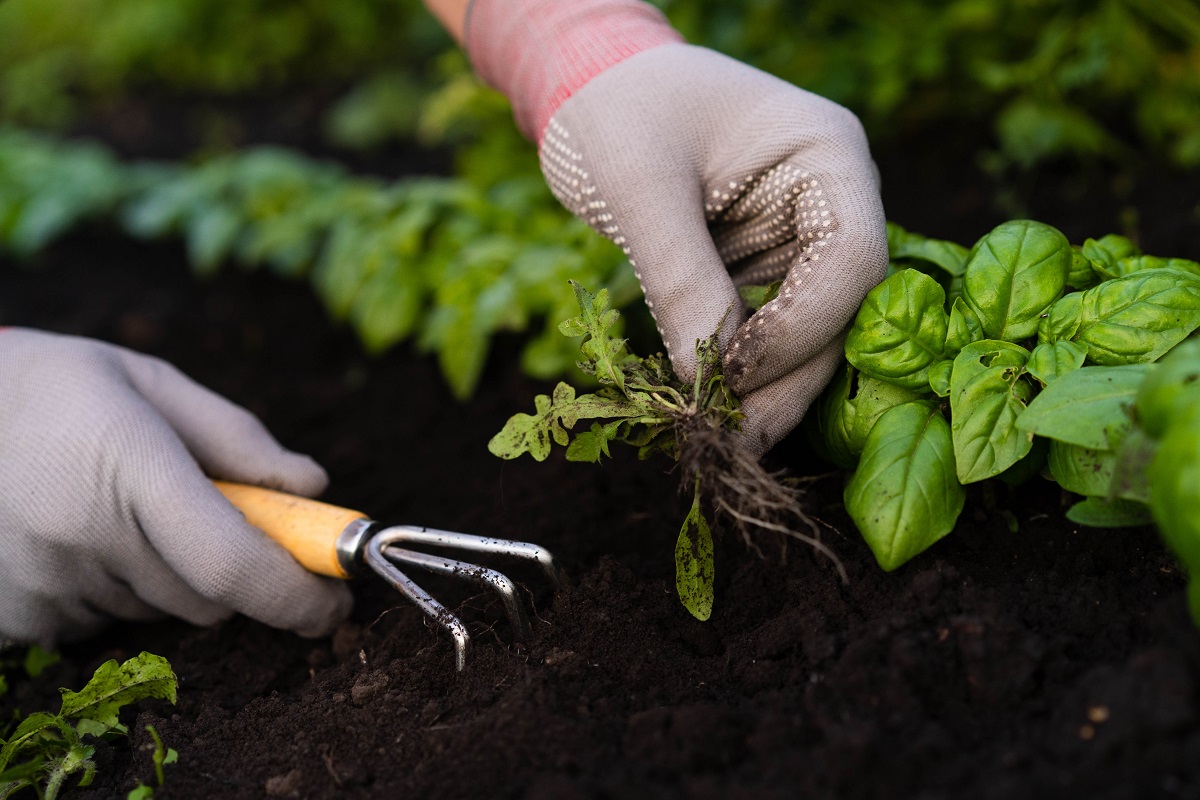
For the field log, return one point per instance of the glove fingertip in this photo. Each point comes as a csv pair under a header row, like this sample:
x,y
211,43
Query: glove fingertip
x,y
335,606
300,474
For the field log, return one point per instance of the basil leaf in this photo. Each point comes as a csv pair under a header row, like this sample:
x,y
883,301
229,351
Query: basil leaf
x,y
987,396
873,399
1029,465
1087,407
1128,266
848,410
1054,359
899,330
1137,318
904,497
1174,477
963,328
1106,251
1134,455
939,377
1082,274
1096,512
1172,386
1081,470
904,246
1013,275
829,421
1062,321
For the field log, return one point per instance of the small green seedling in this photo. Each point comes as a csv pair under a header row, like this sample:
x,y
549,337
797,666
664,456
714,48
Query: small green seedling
x,y
45,749
161,756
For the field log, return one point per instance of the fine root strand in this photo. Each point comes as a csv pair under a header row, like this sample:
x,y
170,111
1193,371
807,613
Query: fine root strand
x,y
746,496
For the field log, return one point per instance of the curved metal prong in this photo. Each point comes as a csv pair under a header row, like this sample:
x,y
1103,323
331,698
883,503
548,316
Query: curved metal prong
x,y
412,534
374,557
488,578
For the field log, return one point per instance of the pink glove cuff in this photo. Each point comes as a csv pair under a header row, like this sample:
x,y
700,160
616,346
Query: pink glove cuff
x,y
540,52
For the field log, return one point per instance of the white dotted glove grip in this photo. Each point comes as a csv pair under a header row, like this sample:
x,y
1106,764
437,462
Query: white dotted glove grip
x,y
711,174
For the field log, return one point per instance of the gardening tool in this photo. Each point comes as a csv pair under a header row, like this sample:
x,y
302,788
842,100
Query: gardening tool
x,y
343,543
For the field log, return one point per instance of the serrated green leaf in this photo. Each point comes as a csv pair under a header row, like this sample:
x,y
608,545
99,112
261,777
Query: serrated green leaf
x,y
904,496
1088,407
592,444
1096,512
1138,318
594,321
694,570
604,406
523,433
27,733
555,415
115,686
1013,275
987,395
900,330
1052,360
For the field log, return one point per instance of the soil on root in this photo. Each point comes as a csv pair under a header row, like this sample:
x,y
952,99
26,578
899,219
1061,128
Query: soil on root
x,y
1047,661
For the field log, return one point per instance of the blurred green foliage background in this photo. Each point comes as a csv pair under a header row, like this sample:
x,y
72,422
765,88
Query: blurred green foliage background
x,y
1111,80
1048,76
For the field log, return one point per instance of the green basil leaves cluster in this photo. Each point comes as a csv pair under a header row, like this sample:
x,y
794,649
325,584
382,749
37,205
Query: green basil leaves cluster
x,y
963,361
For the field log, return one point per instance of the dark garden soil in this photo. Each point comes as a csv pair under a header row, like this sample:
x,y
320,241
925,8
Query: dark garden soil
x,y
1050,661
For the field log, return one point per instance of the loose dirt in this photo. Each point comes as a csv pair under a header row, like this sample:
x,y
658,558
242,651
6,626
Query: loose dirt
x,y
1046,661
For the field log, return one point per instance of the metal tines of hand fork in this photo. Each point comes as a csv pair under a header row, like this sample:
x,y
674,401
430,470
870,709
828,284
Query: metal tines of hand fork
x,y
387,549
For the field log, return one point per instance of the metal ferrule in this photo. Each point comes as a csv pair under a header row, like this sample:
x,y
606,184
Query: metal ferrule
x,y
350,545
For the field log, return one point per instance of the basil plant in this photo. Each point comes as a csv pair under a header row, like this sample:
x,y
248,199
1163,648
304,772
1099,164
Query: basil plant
x,y
1021,356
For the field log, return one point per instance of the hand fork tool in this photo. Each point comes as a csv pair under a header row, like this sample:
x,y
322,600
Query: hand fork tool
x,y
343,543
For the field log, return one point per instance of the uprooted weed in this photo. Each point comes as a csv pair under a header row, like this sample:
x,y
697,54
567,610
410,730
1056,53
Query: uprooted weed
x,y
642,403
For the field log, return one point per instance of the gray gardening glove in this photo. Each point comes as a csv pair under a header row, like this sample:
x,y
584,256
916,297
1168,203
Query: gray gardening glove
x,y
105,508
700,168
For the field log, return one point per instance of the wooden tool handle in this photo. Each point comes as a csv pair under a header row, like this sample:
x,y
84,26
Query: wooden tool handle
x,y
307,529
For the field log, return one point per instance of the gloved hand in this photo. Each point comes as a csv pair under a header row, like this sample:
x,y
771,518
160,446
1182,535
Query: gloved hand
x,y
105,510
699,166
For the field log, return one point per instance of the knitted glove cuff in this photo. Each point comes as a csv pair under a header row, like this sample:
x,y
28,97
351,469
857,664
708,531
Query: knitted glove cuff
x,y
540,52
